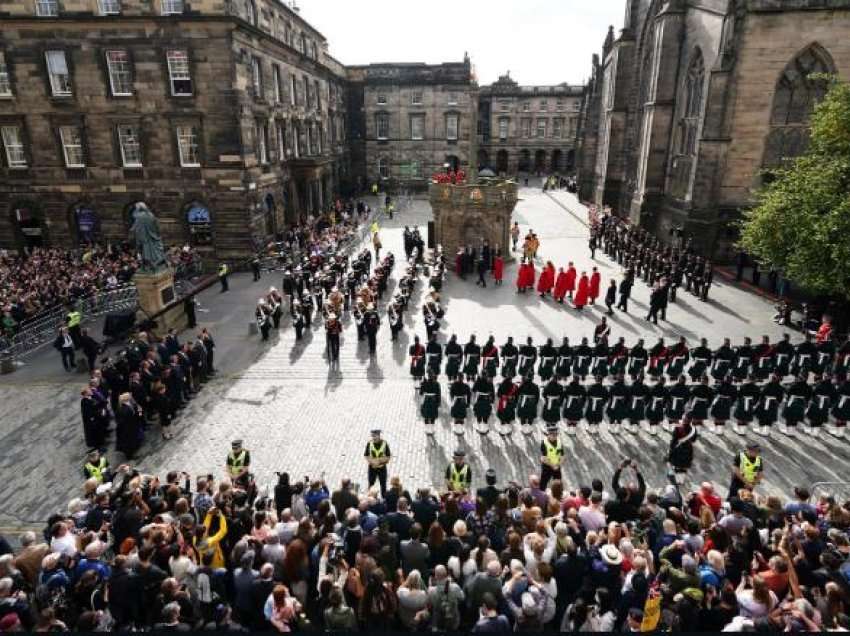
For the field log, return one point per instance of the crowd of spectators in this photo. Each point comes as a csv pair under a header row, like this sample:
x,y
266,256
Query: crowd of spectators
x,y
136,552
48,277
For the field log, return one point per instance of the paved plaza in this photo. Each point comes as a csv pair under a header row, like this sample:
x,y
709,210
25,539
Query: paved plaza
x,y
296,415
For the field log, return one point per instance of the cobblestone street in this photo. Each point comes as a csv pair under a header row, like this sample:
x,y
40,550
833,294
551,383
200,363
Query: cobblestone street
x,y
297,416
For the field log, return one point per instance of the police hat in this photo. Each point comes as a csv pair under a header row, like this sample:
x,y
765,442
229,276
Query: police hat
x,y
459,453
237,443
551,430
753,445
376,431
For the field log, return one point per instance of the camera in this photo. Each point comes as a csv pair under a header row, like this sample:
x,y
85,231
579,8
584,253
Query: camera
x,y
336,552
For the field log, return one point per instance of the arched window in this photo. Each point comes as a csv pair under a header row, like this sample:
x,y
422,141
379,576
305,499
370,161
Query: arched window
x,y
251,10
797,92
383,168
687,127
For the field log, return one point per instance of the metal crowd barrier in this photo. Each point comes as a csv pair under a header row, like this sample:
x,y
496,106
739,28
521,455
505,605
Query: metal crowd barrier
x,y
43,328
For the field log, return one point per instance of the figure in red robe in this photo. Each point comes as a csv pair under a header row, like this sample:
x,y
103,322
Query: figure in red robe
x,y
525,277
547,279
459,263
571,279
530,275
582,293
595,280
561,286
498,269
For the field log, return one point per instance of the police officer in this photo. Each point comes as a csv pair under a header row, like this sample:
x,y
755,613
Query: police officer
x,y
377,455
458,473
73,321
97,467
238,466
223,272
551,456
747,470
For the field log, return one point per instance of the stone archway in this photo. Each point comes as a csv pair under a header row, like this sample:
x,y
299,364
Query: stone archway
x,y
524,164
557,160
540,161
483,159
502,162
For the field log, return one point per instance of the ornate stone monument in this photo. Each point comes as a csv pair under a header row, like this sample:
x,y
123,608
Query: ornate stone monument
x,y
475,210
154,280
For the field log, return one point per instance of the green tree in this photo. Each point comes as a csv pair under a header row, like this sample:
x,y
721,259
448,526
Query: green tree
x,y
801,223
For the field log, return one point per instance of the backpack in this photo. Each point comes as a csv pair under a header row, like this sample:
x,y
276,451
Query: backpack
x,y
446,611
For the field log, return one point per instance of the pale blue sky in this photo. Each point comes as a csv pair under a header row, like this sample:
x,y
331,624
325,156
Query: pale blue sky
x,y
539,41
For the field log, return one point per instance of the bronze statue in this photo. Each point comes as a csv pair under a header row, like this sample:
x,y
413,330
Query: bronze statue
x,y
145,234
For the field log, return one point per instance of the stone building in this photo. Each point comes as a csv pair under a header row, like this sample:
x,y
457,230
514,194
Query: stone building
x,y
528,128
695,101
408,120
227,118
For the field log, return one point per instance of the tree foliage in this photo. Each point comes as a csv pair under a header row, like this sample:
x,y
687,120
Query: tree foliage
x,y
801,223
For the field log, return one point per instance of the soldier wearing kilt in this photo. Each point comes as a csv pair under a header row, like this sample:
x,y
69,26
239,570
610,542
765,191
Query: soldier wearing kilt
x,y
803,356
701,357
842,360
721,407
433,355
597,397
618,404
600,358
823,397
483,396
510,355
618,358
638,394
582,356
677,359
767,409
657,359
764,359
417,359
454,357
784,355
824,356
430,408
724,357
553,394
460,397
490,358
638,358
472,358
743,360
679,395
564,360
506,409
701,398
546,369
575,396
527,358
799,394
659,396
748,396
841,410
529,396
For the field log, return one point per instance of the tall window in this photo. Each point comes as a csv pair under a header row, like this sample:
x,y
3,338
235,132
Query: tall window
x,y
417,127
559,104
526,127
296,140
688,124
317,89
281,140
503,128
278,84
541,128
57,69
252,12
109,7
416,97
557,126
120,77
257,77
526,106
171,7
5,83
796,94
46,8
504,105
307,96
187,146
544,105
452,101
293,92
13,144
178,73
260,135
451,126
72,146
383,168
320,134
131,149
382,125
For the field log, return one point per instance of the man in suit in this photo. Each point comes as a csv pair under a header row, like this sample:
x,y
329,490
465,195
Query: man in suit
x,y
64,344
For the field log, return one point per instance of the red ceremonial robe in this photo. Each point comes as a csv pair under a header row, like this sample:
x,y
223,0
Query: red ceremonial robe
x,y
581,295
530,276
546,281
458,264
521,276
561,285
595,279
571,279
498,268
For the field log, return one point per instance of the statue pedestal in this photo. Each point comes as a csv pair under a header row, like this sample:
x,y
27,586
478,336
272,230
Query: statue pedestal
x,y
156,291
469,213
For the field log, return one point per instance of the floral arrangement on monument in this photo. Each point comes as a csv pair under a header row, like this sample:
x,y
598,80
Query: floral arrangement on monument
x,y
453,177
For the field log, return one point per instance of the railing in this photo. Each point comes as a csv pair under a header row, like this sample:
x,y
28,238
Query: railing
x,y
43,328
